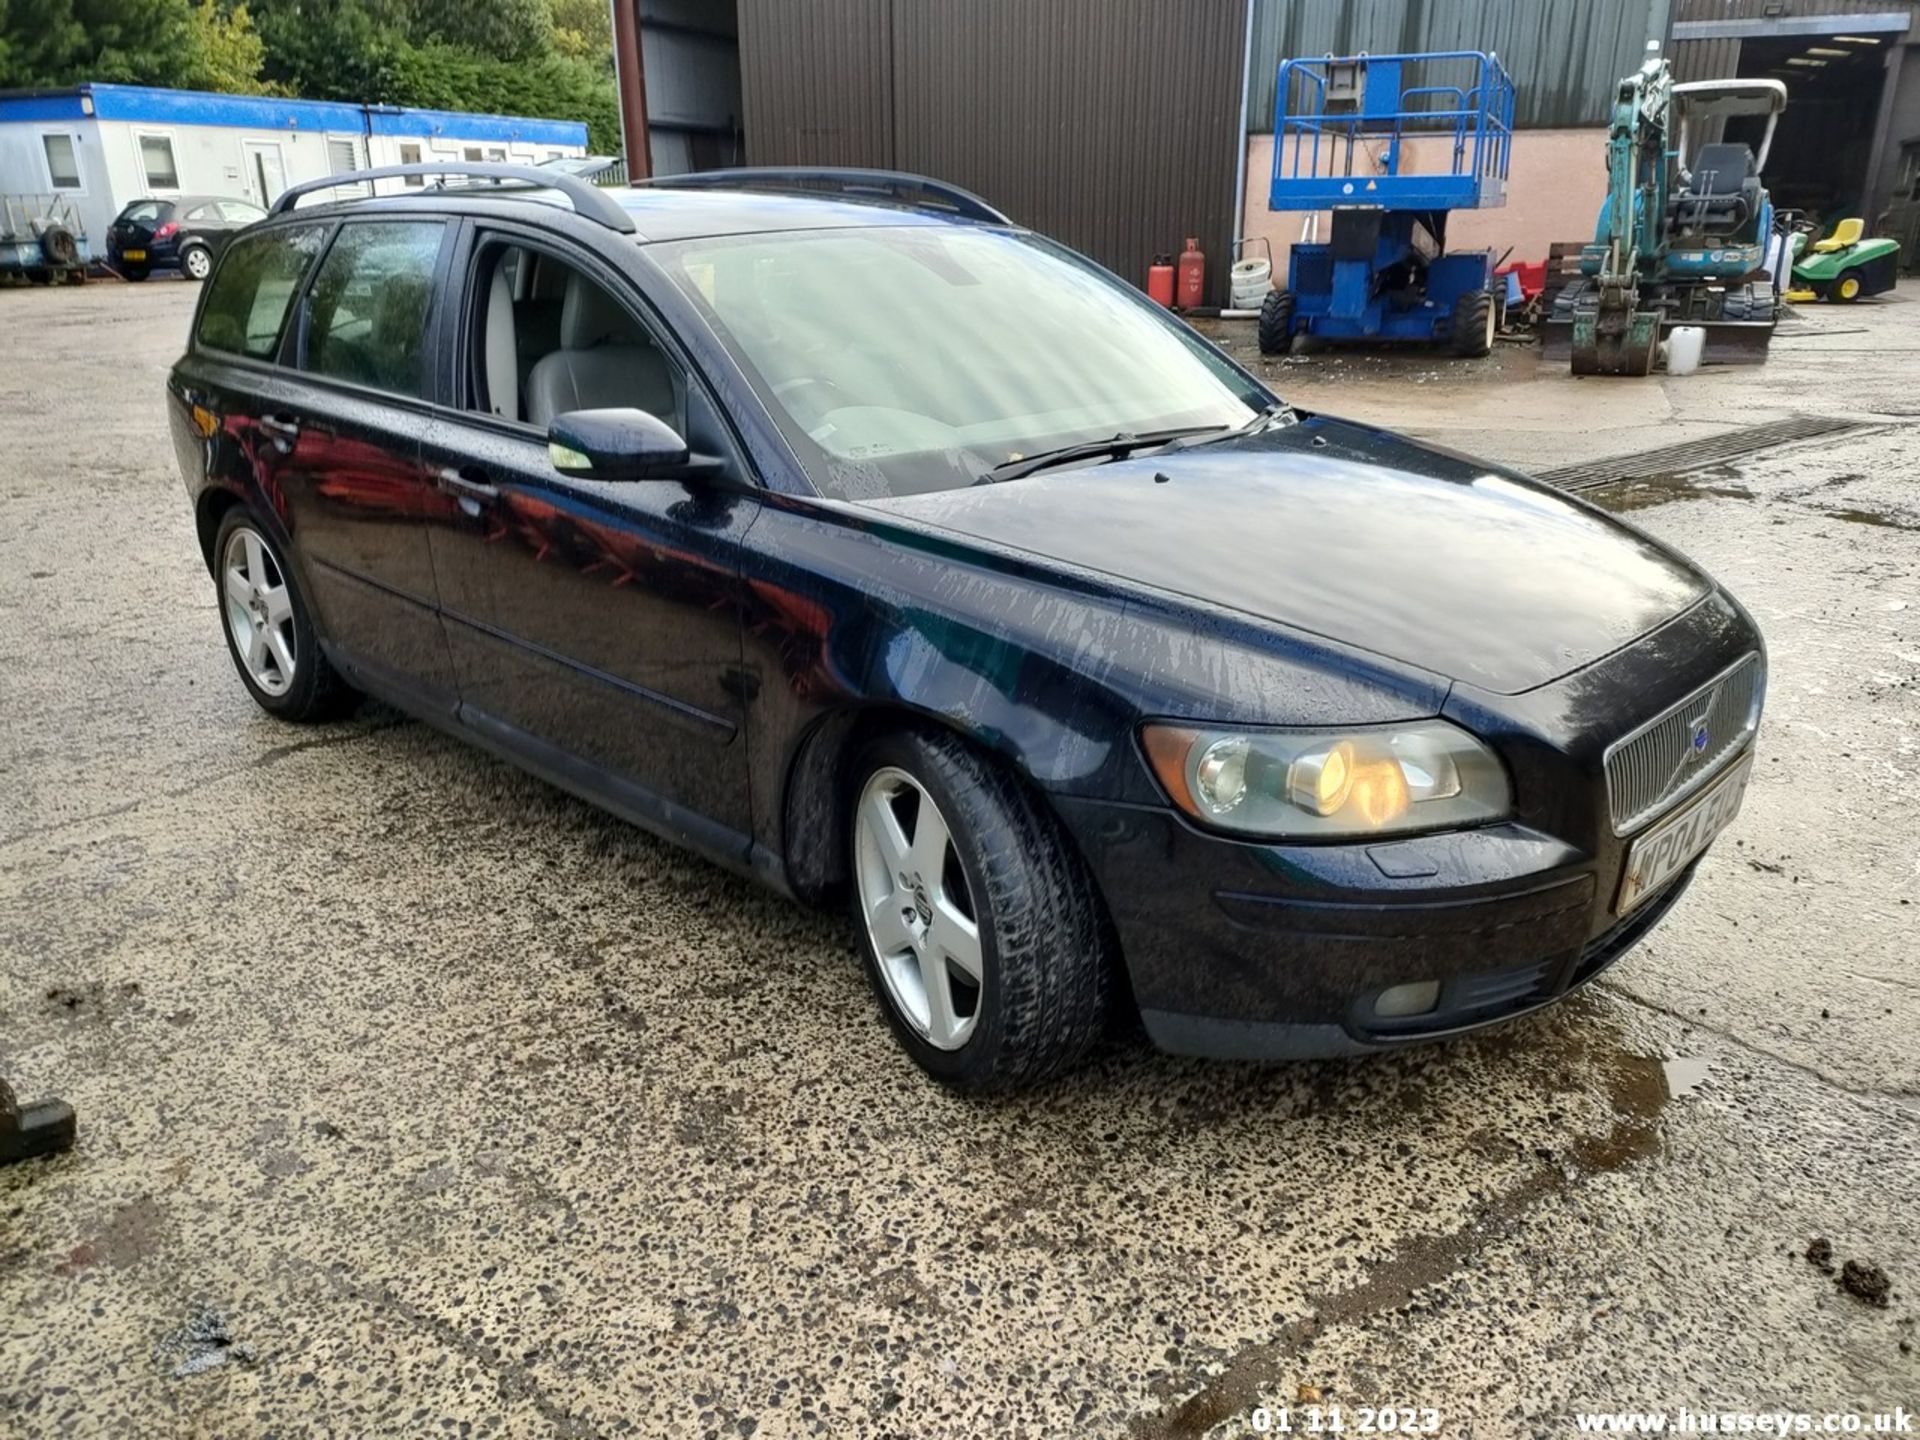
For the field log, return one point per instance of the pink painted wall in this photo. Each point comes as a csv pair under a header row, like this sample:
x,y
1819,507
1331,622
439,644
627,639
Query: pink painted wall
x,y
1556,182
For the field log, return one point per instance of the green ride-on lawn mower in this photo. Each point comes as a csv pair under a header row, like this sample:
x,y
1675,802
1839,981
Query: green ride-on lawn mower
x,y
1844,266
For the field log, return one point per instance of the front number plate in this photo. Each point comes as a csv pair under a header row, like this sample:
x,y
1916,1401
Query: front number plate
x,y
1667,848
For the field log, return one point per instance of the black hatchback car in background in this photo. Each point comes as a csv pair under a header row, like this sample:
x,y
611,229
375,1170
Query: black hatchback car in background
x,y
187,232
836,527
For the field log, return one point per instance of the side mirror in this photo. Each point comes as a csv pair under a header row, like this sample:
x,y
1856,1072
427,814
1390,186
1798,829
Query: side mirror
x,y
616,445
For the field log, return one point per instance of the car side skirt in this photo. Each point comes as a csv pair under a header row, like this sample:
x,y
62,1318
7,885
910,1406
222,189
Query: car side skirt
x,y
619,796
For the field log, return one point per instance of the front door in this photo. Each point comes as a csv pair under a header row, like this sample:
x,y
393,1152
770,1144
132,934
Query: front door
x,y
266,171
592,623
342,426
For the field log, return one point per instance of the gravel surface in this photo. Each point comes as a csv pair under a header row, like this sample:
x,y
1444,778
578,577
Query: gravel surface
x,y
418,1098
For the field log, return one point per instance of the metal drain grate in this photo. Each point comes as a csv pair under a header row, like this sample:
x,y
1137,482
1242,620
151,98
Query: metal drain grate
x,y
1696,454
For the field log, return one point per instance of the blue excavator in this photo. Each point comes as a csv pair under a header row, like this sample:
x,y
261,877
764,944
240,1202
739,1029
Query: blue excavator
x,y
1683,236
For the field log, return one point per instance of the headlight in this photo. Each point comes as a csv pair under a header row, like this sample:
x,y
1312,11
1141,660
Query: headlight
x,y
1330,784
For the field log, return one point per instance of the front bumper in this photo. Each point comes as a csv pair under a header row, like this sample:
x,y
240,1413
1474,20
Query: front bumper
x,y
1256,951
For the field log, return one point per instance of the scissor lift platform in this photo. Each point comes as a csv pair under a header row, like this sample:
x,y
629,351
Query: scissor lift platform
x,y
1390,144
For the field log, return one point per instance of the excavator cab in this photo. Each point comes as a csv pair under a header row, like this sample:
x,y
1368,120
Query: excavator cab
x,y
1718,216
1682,236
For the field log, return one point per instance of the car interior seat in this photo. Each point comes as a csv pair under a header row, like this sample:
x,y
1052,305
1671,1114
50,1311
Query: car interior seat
x,y
539,291
501,351
605,360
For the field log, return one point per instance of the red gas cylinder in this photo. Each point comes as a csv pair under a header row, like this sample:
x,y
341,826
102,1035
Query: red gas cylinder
x,y
1192,289
1160,280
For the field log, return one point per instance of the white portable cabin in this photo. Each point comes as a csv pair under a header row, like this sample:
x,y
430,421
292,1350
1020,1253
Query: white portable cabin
x,y
104,146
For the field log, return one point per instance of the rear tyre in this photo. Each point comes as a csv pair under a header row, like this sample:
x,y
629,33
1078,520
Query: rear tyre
x,y
1471,333
135,272
269,628
982,930
1276,322
1845,289
196,262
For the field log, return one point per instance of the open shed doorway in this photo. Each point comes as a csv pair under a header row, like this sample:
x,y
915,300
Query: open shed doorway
x,y
1824,145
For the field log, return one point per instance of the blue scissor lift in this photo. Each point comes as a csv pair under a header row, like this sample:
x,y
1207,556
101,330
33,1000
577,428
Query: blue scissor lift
x,y
1390,144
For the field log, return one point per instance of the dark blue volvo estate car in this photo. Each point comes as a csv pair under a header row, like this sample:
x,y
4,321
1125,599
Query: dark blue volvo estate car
x,y
832,525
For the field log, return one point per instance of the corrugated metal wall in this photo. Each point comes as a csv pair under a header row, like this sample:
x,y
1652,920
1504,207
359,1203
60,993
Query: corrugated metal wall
x,y
1696,10
1112,125
1566,56
816,82
1706,59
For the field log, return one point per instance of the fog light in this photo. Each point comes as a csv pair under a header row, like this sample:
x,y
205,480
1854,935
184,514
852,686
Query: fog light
x,y
1400,1001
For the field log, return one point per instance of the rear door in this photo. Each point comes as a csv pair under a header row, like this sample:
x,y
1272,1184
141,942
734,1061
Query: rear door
x,y
341,449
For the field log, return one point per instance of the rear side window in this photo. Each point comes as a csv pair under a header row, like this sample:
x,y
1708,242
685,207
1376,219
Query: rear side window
x,y
255,285
367,313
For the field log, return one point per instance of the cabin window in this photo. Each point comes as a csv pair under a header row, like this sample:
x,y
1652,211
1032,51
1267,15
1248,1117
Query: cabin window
x,y
156,158
410,155
63,162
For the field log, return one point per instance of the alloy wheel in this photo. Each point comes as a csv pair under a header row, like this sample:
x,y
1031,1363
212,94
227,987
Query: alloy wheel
x,y
197,263
259,610
918,908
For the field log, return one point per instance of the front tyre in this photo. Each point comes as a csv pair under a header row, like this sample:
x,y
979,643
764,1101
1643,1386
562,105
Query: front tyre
x,y
269,628
980,925
1474,319
1276,322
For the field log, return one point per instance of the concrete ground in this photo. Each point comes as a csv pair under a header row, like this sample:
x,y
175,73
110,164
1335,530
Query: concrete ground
x,y
419,1099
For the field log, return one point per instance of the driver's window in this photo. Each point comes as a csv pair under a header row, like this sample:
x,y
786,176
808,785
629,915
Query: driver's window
x,y
550,338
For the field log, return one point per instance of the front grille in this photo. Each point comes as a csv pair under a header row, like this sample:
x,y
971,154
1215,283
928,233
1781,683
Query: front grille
x,y
1679,750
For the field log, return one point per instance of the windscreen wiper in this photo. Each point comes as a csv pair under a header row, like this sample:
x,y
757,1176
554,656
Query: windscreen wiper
x,y
1279,414
1114,447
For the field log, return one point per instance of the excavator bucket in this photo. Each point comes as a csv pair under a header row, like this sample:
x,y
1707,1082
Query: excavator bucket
x,y
1615,343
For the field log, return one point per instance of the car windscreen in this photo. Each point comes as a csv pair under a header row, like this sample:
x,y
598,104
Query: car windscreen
x,y
901,360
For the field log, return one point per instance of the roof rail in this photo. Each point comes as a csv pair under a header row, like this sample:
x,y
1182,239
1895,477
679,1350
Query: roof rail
x,y
890,186
588,200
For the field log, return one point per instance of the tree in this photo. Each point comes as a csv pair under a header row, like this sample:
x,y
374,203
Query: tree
x,y
330,49
583,30
503,29
62,42
228,51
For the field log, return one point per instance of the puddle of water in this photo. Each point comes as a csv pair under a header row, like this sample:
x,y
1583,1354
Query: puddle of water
x,y
1871,517
1684,1076
1646,492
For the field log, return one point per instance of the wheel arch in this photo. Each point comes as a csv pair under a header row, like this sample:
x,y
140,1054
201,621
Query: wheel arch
x,y
814,810
815,798
208,511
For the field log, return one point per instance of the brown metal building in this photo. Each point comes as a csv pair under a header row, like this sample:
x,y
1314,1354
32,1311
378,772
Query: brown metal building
x,y
1124,126
1112,125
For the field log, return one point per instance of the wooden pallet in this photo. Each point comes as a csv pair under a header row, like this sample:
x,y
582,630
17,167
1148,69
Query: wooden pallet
x,y
1563,268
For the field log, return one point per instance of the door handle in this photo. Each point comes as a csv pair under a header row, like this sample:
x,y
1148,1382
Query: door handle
x,y
280,429
460,483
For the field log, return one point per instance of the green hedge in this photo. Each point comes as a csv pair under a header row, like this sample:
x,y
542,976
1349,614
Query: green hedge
x,y
440,77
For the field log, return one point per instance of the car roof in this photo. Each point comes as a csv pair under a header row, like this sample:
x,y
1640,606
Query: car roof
x,y
663,213
187,202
